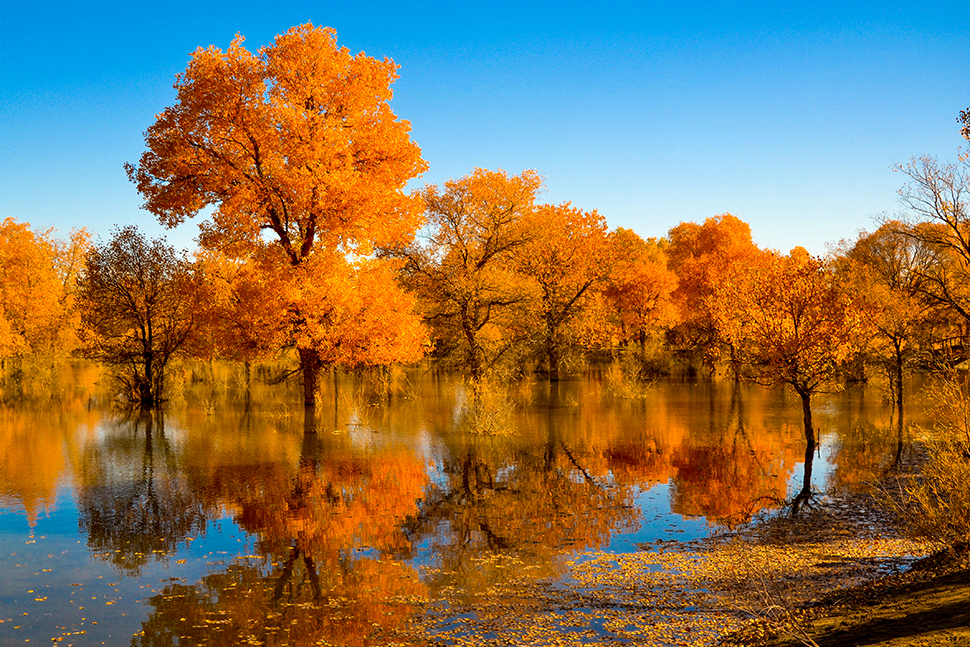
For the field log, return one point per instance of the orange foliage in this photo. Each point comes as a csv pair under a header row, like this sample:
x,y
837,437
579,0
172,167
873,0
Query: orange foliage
x,y
464,273
641,285
791,320
347,313
298,151
566,256
700,255
297,141
883,268
38,278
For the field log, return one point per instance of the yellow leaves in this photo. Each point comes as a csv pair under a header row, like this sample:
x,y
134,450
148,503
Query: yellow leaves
x,y
791,318
38,275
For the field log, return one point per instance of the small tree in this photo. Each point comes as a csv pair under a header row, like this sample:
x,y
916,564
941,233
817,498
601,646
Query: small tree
x,y
640,286
792,321
464,270
136,303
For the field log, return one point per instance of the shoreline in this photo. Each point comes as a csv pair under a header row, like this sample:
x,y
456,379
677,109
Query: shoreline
x,y
818,574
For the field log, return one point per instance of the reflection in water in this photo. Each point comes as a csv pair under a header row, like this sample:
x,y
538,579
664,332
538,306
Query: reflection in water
x,y
500,501
328,532
133,501
361,516
32,459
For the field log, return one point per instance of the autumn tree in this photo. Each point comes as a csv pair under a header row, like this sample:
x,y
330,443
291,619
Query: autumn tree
x,y
463,267
792,321
38,281
138,310
883,267
640,286
38,277
939,222
699,255
240,317
297,151
566,258
352,313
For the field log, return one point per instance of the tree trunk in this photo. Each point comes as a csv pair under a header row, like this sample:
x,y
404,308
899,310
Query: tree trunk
x,y
807,414
310,367
146,395
553,354
806,492
473,360
899,379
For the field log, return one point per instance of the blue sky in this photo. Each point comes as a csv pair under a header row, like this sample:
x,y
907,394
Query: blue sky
x,y
788,116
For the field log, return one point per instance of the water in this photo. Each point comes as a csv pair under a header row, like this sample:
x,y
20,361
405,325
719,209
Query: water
x,y
222,523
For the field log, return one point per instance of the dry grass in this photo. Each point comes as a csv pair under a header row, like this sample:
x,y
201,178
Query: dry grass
x,y
935,502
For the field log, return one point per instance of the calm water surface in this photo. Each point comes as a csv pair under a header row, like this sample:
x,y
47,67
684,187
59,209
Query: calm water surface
x,y
221,519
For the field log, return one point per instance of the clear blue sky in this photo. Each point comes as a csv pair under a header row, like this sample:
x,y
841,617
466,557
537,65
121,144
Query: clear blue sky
x,y
789,117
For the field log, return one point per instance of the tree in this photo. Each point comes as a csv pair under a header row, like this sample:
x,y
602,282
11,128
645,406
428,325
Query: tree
x,y
939,222
640,286
38,275
299,153
350,313
699,255
884,269
138,310
792,322
566,257
464,272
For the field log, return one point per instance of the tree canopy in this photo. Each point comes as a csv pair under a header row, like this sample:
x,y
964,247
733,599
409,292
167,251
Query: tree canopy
x,y
297,151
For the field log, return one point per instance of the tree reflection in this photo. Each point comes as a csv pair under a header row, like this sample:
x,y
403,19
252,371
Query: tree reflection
x,y
328,533
244,604
31,461
133,501
507,504
731,470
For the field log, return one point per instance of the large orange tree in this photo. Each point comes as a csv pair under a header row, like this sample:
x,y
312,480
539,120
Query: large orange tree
x,y
38,287
699,255
296,152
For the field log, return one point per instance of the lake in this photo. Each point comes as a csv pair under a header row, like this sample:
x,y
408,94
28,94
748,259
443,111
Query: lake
x,y
236,518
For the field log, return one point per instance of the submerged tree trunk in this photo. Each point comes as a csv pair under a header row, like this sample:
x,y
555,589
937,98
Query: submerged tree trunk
x,y
899,378
310,367
806,492
473,360
810,444
146,395
552,353
807,415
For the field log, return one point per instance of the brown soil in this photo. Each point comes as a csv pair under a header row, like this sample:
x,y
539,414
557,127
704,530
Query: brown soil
x,y
928,606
